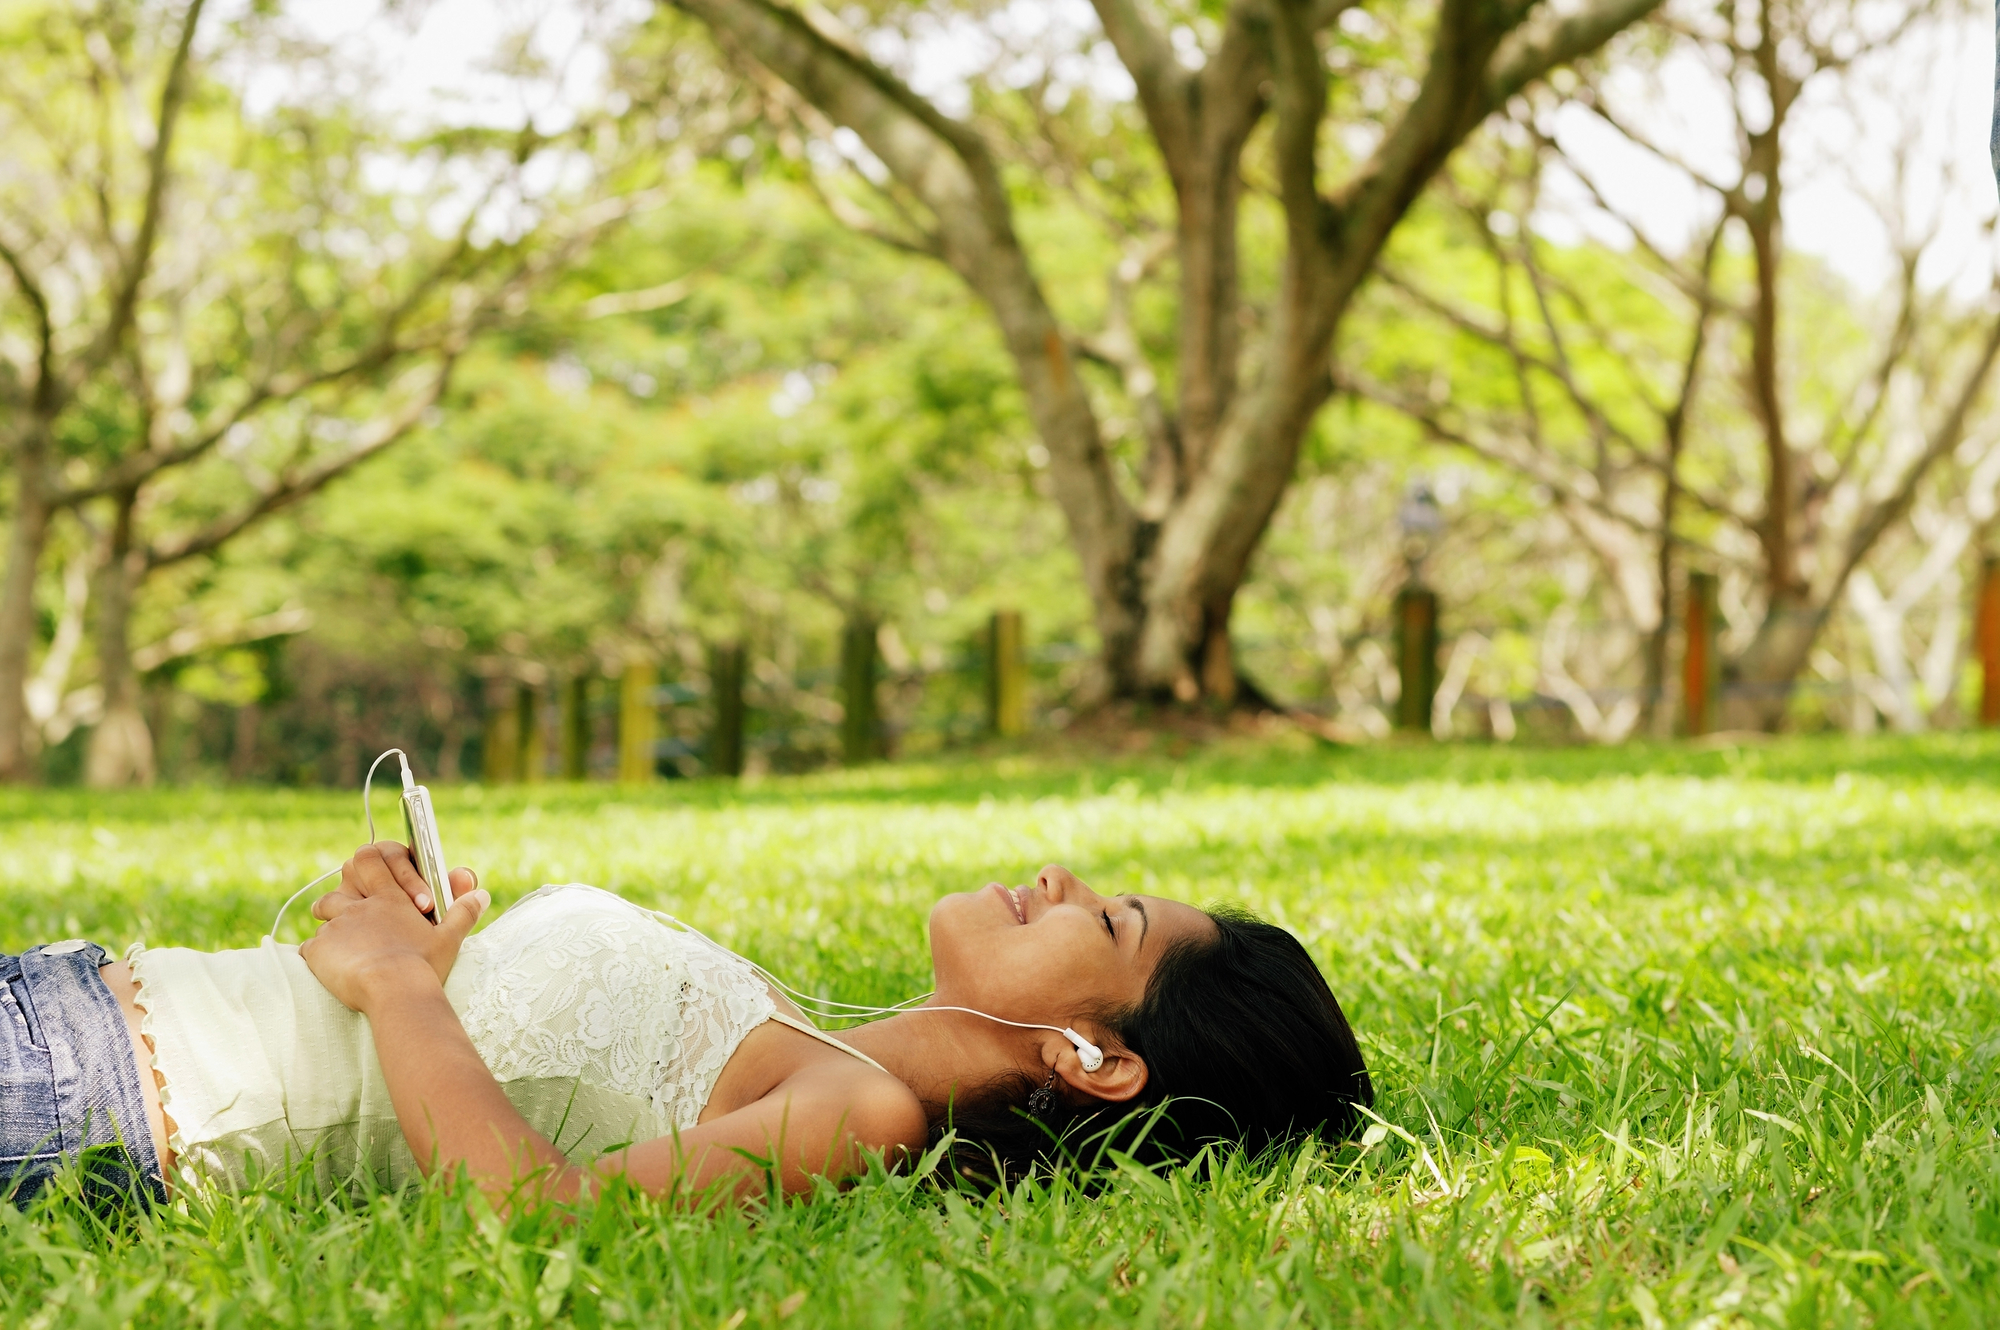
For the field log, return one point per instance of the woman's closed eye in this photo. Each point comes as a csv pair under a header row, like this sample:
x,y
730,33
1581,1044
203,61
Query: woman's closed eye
x,y
1109,927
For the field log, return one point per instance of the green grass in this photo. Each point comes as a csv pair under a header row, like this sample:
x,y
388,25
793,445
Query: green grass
x,y
1662,1037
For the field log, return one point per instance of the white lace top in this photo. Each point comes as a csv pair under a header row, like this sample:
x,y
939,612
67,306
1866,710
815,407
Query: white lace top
x,y
604,1025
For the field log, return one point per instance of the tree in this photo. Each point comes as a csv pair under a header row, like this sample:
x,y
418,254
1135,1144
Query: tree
x,y
730,419
216,310
1225,398
1713,398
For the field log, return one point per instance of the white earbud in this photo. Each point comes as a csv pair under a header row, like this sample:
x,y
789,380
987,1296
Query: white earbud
x,y
1089,1054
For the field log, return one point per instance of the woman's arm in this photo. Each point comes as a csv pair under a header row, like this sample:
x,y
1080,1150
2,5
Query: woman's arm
x,y
378,955
820,1122
451,1109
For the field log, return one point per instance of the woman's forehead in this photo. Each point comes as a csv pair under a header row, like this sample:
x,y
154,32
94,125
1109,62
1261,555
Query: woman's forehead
x,y
1170,921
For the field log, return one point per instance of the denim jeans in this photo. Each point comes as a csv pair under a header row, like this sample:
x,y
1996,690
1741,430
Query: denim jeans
x,y
69,1084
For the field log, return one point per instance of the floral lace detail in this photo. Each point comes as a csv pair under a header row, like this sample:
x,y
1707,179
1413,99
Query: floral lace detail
x,y
573,983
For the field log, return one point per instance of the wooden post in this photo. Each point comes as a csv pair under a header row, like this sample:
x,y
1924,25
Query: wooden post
x,y
1701,669
576,727
1416,657
500,750
638,723
860,726
1986,635
1006,675
725,686
534,745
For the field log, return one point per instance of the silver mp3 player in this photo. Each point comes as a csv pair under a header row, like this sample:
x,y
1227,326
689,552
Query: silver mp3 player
x,y
420,821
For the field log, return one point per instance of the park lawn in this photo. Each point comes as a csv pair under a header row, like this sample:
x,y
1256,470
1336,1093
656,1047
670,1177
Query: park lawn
x,y
1661,1037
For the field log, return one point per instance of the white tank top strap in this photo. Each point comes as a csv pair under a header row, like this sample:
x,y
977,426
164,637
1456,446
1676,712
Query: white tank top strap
x,y
827,1039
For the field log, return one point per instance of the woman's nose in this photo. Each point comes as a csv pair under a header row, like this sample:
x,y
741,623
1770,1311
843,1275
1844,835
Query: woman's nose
x,y
1059,883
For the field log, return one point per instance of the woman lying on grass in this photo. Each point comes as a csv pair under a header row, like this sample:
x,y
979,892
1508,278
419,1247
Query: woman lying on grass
x,y
582,1037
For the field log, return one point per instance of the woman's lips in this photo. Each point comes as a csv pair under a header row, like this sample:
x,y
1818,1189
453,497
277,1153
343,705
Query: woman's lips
x,y
1013,900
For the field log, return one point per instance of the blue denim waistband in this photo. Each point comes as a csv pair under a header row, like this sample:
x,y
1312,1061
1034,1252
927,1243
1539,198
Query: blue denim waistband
x,y
69,1084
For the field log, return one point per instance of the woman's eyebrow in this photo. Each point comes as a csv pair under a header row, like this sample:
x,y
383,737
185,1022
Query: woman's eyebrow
x,y
1145,920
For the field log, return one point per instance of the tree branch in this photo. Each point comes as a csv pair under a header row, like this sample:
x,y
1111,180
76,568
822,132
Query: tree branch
x,y
1479,58
1653,148
1299,102
136,468
298,482
1945,438
185,642
44,404
783,102
1504,341
949,169
1876,385
643,301
44,691
1225,103
138,261
1163,85
1544,467
1118,347
1532,51
388,347
1664,263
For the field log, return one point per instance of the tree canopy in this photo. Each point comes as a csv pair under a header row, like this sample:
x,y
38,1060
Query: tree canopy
x,y
326,426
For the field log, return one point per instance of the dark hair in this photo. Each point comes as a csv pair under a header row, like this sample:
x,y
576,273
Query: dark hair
x,y
1243,1042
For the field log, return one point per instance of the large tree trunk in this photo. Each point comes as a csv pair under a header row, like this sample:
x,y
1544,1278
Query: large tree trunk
x,y
1758,683
121,747
1163,569
27,539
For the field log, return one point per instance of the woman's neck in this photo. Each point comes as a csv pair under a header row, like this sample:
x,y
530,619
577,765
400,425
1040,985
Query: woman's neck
x,y
939,1054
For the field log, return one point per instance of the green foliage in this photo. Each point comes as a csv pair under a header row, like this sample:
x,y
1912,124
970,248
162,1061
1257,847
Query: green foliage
x,y
1659,1034
805,425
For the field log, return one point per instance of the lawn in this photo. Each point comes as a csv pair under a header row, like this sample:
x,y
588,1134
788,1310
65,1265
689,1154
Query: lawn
x,y
1661,1037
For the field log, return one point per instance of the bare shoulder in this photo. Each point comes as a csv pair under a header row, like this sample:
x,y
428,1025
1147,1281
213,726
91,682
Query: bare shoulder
x,y
884,1112
831,1094
871,1107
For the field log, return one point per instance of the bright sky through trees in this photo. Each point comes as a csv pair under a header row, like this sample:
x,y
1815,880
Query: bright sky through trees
x,y
1928,105
1918,115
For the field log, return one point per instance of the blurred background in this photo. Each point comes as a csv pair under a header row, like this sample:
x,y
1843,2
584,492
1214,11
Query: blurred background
x,y
617,391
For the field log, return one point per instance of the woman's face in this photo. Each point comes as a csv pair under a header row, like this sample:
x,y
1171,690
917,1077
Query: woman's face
x,y
1053,951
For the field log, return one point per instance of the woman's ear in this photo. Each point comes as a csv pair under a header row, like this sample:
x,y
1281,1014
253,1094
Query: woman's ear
x,y
1120,1079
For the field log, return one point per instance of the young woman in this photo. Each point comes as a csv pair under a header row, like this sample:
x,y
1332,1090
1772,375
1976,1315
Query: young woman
x,y
581,1037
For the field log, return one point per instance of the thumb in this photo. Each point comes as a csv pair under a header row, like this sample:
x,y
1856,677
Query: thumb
x,y
463,915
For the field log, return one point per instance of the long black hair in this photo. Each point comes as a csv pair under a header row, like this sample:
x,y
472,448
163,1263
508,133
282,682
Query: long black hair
x,y
1243,1043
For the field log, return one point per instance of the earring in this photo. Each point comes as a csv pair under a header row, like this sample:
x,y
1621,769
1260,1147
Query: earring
x,y
1043,1099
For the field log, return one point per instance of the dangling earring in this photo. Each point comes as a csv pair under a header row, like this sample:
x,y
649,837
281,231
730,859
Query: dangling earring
x,y
1043,1099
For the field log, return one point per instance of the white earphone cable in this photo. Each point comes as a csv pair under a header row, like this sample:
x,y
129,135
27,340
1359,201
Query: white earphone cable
x,y
273,934
853,1010
1091,1056
367,811
368,782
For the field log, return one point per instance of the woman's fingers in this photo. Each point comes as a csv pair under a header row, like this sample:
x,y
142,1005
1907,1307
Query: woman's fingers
x,y
403,872
330,905
460,918
376,870
368,873
385,868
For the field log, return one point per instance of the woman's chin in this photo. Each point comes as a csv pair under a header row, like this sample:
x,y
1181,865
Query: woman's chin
x,y
957,924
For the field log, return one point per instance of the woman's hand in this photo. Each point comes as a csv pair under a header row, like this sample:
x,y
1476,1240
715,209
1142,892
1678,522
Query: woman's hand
x,y
370,862
374,939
